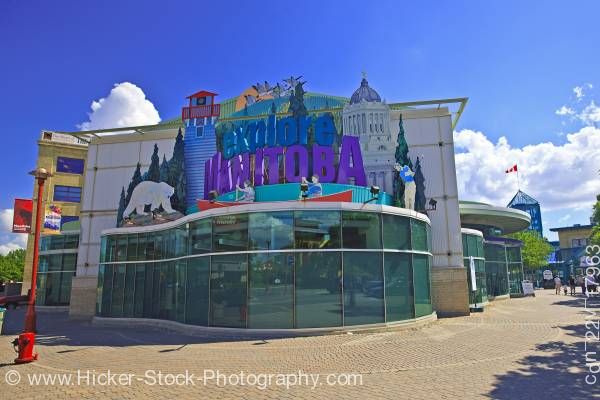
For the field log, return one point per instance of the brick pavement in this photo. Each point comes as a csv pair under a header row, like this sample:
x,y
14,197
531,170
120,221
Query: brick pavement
x,y
517,349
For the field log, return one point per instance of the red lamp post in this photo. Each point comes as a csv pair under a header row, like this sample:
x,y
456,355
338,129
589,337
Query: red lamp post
x,y
26,340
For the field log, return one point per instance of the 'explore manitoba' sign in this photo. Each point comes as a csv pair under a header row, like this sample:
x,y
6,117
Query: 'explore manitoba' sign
x,y
284,151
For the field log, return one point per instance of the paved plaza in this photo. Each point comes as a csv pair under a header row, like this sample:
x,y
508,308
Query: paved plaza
x,y
524,348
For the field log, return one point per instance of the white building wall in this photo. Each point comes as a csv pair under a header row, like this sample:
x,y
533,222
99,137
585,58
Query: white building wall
x,y
429,136
110,166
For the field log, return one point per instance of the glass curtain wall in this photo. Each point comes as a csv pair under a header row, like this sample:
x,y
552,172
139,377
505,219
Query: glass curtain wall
x,y
57,264
496,270
271,270
473,247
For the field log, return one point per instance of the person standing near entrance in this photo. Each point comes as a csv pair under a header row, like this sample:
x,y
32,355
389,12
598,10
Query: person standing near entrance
x,y
557,284
572,285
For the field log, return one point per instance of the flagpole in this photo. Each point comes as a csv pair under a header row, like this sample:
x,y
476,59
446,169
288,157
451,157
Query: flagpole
x,y
518,182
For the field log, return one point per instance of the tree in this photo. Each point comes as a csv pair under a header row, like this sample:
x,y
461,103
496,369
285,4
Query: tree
x,y
401,157
297,107
154,170
420,200
12,265
164,170
535,251
176,176
135,180
595,237
122,205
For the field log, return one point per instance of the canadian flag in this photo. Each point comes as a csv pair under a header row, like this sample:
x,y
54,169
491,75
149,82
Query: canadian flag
x,y
512,169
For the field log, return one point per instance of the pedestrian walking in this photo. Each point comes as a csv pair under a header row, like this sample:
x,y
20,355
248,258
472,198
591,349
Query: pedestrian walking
x,y
557,285
572,285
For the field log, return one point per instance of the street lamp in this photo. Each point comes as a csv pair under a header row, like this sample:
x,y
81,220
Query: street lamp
x,y
26,339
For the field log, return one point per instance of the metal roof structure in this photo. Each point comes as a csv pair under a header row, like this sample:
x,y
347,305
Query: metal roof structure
x,y
524,202
316,103
508,220
522,198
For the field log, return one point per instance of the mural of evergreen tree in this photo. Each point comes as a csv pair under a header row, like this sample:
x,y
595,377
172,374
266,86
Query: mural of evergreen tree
x,y
420,200
164,170
135,180
122,205
154,170
176,177
401,157
297,107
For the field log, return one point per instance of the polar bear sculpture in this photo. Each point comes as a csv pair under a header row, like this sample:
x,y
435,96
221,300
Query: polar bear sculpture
x,y
154,193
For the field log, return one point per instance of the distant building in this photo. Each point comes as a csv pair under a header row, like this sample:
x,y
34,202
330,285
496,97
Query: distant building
x,y
524,202
65,157
367,117
569,258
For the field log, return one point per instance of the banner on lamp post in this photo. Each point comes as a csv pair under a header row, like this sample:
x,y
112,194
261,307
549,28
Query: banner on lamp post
x,y
23,210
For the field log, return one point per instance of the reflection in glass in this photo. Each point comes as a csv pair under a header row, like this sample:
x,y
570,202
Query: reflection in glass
x,y
55,262
230,232
398,287
111,248
155,301
132,247
159,245
167,290
422,285
200,236
180,278
105,309
40,294
117,291
228,291
196,310
66,279
361,230
317,229
181,239
396,232
99,290
141,247
419,235
271,288
129,290
318,289
149,251
122,248
271,231
138,301
169,243
148,290
363,288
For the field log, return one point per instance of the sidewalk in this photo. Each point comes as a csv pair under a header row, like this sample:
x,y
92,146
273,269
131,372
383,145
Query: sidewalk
x,y
524,348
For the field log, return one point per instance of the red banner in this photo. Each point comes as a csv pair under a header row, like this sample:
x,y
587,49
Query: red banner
x,y
22,216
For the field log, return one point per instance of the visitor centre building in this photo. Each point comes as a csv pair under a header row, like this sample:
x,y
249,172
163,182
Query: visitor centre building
x,y
282,209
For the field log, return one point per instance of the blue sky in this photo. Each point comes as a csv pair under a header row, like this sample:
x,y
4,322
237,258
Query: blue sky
x,y
518,63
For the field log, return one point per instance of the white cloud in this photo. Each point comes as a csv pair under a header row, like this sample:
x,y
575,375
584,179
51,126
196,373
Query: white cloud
x,y
564,218
590,115
9,241
564,110
125,105
580,90
558,176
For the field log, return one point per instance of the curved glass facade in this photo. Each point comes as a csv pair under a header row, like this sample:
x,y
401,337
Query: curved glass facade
x,y
271,270
473,247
